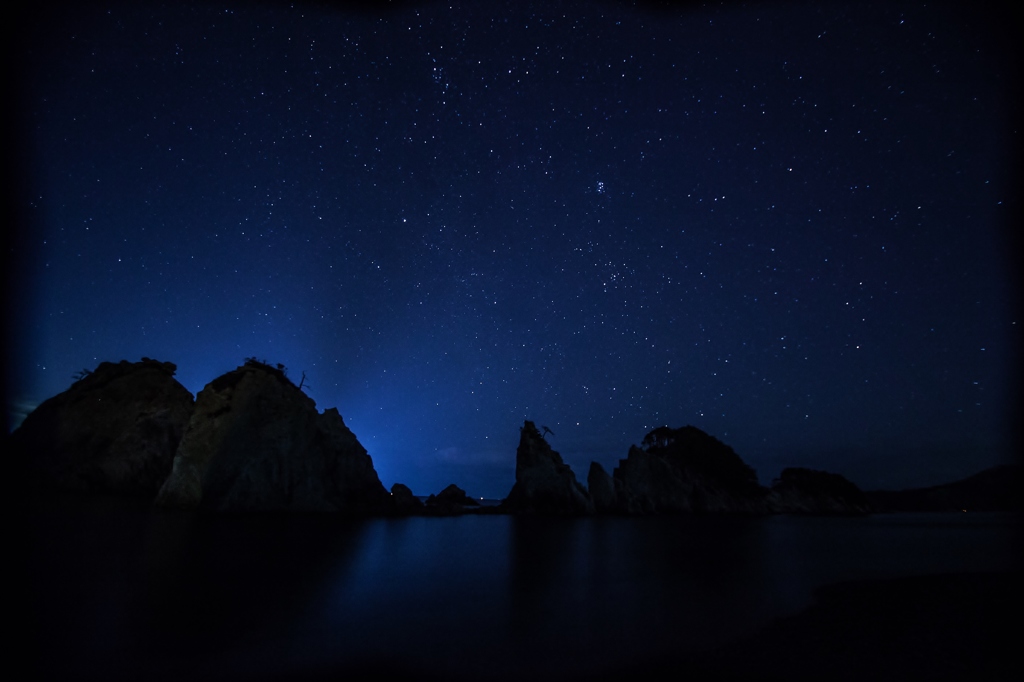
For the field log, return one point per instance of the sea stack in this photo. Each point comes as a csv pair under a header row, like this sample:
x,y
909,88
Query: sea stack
x,y
544,483
256,442
686,470
114,431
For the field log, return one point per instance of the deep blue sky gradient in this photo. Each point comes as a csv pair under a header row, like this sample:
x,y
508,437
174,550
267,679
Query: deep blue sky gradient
x,y
785,224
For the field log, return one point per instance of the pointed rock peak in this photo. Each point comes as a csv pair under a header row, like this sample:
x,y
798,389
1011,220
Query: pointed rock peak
x,y
528,432
530,429
544,483
534,448
602,488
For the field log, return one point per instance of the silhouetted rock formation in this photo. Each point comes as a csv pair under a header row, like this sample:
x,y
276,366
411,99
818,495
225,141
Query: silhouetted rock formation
x,y
404,501
602,489
456,495
544,483
806,491
113,431
686,470
648,484
256,442
252,440
999,489
451,500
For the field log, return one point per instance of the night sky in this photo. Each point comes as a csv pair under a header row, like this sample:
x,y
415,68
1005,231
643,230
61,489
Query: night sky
x,y
786,224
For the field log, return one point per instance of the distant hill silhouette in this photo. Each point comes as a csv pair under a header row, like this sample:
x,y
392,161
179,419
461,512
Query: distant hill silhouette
x,y
995,489
807,491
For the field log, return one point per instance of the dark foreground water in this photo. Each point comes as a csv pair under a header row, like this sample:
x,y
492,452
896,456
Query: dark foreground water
x,y
117,590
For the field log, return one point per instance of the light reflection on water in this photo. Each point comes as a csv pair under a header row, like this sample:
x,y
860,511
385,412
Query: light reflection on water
x,y
473,595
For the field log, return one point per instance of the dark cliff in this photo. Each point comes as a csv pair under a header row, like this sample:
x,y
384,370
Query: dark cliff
x,y
544,483
256,442
113,431
686,470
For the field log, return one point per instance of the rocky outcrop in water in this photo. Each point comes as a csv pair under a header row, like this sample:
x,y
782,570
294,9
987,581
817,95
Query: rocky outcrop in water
x,y
602,489
806,491
686,470
648,484
115,430
403,501
453,494
256,442
544,483
451,500
252,440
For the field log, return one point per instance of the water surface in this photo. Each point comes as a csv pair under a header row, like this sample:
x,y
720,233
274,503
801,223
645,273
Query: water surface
x,y
120,590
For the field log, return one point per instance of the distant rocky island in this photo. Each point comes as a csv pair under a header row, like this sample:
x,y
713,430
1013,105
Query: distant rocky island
x,y
251,440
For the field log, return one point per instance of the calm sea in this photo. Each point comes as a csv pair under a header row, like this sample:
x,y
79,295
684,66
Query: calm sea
x,y
117,590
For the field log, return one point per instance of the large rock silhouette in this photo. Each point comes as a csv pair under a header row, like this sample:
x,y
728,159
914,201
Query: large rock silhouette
x,y
113,431
256,442
602,489
648,484
686,470
404,502
544,483
450,501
